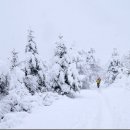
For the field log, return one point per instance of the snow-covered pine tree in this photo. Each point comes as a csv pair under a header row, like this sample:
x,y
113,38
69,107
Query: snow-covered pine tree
x,y
17,90
16,74
88,67
90,59
73,68
34,75
4,79
64,76
115,67
86,61
126,63
80,60
92,66
14,60
4,84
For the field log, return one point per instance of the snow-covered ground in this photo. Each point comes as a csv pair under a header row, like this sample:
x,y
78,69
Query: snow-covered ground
x,y
99,108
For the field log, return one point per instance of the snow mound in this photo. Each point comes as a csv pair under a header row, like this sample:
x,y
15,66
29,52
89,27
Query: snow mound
x,y
12,120
122,81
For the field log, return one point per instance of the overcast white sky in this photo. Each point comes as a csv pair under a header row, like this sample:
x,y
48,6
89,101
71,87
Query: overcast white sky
x,y
101,24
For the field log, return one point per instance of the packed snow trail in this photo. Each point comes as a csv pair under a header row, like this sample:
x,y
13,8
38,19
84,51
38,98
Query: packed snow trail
x,y
105,115
103,108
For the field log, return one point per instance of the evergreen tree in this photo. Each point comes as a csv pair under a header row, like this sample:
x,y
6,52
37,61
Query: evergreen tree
x,y
4,78
4,84
92,66
88,67
126,63
115,67
34,76
64,77
80,60
14,60
16,75
86,61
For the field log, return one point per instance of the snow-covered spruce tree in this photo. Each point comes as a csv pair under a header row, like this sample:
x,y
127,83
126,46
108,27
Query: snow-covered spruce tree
x,y
88,67
92,65
16,74
34,75
17,90
4,84
4,79
126,63
115,67
14,59
80,61
86,61
64,76
73,67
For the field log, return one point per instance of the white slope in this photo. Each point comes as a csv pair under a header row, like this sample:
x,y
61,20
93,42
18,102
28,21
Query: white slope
x,y
103,108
